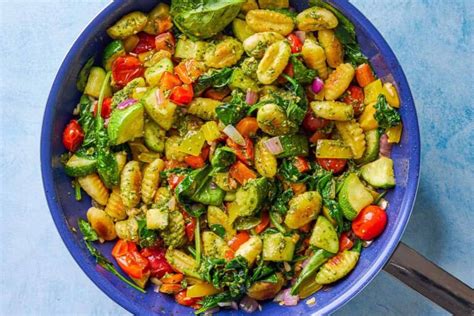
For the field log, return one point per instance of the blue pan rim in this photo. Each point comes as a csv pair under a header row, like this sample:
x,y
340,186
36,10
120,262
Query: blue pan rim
x,y
133,307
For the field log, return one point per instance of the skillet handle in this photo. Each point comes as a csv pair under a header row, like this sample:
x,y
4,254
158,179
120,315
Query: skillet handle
x,y
428,279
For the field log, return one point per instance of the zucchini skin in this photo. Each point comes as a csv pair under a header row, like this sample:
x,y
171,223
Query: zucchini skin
x,y
89,166
372,139
294,145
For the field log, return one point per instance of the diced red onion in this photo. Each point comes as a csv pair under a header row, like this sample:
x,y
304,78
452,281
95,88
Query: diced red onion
x,y
106,122
286,297
318,85
305,263
385,146
160,96
125,104
301,35
234,134
274,145
251,97
224,304
234,305
383,203
248,304
212,311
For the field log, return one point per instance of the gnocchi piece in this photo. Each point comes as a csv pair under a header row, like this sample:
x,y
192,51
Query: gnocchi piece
x,y
273,120
333,110
204,108
130,182
115,207
316,19
315,58
262,290
270,21
273,4
338,81
127,229
273,62
172,151
128,25
256,44
151,179
250,249
121,158
265,162
225,54
101,223
353,136
162,196
303,209
332,47
159,12
95,188
174,235
249,5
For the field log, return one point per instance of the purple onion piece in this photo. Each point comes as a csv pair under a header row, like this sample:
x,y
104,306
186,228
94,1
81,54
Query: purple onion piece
x,y
125,104
286,297
248,304
385,146
211,311
318,85
251,98
234,305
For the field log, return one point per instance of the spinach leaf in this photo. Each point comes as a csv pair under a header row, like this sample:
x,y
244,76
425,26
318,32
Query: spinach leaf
x,y
263,272
209,193
289,171
287,12
303,75
86,120
218,230
87,231
166,173
204,18
106,164
385,115
146,237
345,32
223,157
212,301
280,205
296,111
214,79
233,111
84,74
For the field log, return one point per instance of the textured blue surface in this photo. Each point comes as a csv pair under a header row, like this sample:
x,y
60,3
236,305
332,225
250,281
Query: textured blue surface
x,y
433,42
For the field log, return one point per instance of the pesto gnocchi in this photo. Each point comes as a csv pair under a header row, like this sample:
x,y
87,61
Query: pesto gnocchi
x,y
250,140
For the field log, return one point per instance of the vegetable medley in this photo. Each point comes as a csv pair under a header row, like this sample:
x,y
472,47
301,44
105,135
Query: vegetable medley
x,y
234,151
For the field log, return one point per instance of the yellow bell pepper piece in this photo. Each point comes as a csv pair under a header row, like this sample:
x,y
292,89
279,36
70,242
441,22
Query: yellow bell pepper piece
x,y
372,91
395,133
391,94
211,131
201,289
192,143
367,119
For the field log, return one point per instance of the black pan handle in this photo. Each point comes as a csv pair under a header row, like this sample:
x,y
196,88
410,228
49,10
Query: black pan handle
x,y
428,279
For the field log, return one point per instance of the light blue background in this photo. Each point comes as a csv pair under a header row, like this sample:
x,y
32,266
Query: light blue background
x,y
433,41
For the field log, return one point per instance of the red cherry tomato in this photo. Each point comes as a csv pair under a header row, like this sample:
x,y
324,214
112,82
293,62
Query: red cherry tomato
x,y
355,97
146,42
312,123
73,136
238,240
190,225
125,69
317,136
130,260
244,153
166,42
182,95
301,164
106,108
158,264
370,222
295,43
182,299
345,243
333,164
174,180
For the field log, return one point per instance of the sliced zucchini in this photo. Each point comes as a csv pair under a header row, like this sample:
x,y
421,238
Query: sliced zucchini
x,y
324,235
379,173
188,49
337,267
181,262
79,166
353,196
353,137
293,145
238,80
94,83
249,199
277,247
126,125
153,74
162,114
328,148
214,246
154,136
333,110
372,138
113,50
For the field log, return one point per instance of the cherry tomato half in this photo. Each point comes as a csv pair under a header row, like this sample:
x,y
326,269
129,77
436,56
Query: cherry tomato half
x,y
182,95
130,260
125,69
146,42
182,299
370,222
159,266
106,108
73,136
295,43
345,243
333,164
355,97
312,123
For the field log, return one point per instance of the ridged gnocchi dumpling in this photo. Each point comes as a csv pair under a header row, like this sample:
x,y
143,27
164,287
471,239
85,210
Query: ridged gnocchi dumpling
x,y
95,188
115,207
273,120
316,19
249,5
273,62
130,183
151,179
338,81
127,229
353,136
128,25
256,44
303,209
270,21
226,53
332,47
265,162
273,4
315,57
101,223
